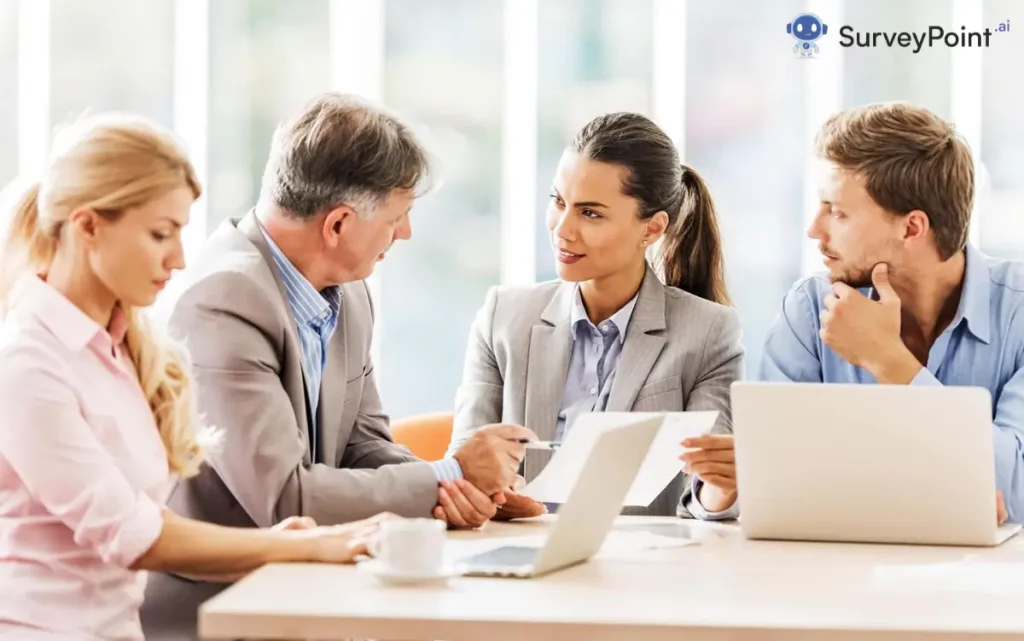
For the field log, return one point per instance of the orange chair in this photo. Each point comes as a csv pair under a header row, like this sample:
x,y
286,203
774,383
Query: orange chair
x,y
426,435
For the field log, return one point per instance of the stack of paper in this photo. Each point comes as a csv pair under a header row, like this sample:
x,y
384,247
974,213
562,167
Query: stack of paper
x,y
662,464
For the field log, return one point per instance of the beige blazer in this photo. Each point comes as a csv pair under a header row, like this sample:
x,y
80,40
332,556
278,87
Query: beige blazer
x,y
681,352
234,318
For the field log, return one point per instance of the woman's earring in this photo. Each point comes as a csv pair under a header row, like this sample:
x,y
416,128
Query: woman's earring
x,y
645,243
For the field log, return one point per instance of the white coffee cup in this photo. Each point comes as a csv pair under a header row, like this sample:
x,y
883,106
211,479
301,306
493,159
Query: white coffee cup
x,y
413,547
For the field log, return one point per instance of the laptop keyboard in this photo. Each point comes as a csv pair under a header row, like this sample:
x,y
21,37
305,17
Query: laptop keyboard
x,y
508,556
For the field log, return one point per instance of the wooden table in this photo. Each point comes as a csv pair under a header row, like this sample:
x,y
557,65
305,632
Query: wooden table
x,y
724,588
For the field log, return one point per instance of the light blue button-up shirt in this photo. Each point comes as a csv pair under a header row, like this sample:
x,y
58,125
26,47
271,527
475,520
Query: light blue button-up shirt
x,y
595,354
983,346
316,318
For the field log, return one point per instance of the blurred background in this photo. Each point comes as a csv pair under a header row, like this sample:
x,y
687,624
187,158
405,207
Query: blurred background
x,y
497,88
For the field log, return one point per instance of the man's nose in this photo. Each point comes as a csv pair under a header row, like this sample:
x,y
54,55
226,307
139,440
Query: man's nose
x,y
404,231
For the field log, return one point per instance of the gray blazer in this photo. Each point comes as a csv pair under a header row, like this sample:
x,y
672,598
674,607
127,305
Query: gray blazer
x,y
234,317
681,352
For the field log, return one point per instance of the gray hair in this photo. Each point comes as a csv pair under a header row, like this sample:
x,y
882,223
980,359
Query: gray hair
x,y
342,150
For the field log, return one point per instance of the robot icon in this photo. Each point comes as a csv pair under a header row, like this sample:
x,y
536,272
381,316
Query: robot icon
x,y
806,28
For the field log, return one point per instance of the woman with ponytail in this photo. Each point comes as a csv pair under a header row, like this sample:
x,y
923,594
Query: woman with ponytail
x,y
610,335
98,414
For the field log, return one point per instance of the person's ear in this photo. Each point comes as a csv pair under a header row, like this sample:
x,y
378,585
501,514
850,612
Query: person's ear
x,y
655,227
337,222
915,225
86,223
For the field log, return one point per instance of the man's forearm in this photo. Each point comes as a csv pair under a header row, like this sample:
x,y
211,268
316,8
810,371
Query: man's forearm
x,y
331,495
1009,464
898,367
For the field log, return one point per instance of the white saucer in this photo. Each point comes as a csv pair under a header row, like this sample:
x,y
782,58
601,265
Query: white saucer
x,y
386,575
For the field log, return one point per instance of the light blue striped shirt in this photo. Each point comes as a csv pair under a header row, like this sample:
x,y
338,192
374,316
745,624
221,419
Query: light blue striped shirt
x,y
983,346
316,318
595,355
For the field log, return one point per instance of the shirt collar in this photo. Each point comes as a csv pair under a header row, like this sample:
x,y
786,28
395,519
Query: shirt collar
x,y
69,324
578,315
118,325
975,296
307,304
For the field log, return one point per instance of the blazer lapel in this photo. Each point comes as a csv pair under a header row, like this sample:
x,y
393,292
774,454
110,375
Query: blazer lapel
x,y
249,226
641,348
550,348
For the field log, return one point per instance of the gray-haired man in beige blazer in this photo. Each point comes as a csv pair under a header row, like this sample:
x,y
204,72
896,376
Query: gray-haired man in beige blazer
x,y
610,335
278,323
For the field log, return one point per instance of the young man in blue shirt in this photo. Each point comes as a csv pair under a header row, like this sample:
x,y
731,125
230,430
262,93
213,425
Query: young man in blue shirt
x,y
906,300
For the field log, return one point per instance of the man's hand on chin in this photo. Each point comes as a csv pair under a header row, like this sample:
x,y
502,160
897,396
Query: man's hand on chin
x,y
866,333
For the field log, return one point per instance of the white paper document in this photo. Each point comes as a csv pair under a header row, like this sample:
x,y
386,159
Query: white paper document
x,y
662,464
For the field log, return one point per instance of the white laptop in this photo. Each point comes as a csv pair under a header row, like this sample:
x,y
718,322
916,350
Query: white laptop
x,y
866,463
584,520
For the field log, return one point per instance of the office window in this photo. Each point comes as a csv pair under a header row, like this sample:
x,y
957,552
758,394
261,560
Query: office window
x,y
1000,177
443,66
9,90
749,114
745,112
266,59
882,73
112,55
595,58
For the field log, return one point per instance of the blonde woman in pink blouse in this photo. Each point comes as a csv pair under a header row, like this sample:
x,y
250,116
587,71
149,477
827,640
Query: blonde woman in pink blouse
x,y
96,411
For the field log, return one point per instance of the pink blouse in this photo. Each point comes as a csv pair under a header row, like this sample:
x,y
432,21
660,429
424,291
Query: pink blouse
x,y
83,474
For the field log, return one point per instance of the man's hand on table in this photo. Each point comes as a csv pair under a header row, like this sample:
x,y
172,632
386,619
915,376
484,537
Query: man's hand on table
x,y
517,506
461,505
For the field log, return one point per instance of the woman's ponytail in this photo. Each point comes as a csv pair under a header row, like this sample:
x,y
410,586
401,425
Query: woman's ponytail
x,y
691,252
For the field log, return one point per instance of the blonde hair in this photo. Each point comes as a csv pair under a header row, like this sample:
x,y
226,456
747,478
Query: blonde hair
x,y
110,163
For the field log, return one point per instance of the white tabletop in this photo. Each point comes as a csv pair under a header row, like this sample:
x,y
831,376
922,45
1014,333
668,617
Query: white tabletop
x,y
722,588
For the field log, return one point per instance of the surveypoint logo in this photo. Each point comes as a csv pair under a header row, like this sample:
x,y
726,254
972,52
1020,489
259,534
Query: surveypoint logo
x,y
808,29
933,36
